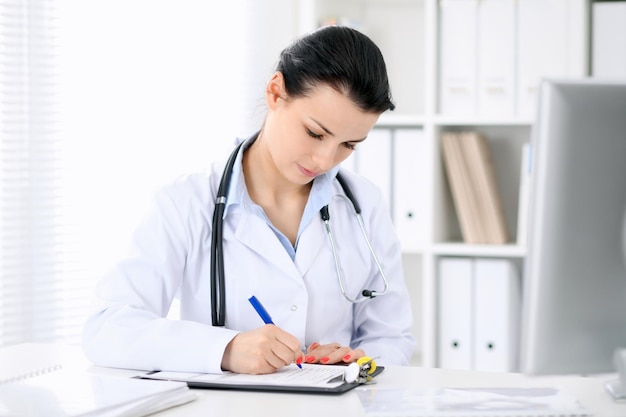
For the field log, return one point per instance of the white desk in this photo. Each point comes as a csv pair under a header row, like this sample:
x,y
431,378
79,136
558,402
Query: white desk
x,y
589,391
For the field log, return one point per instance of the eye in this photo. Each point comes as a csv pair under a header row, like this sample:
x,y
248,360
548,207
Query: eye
x,y
349,145
313,134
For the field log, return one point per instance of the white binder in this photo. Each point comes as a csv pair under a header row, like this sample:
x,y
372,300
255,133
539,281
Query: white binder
x,y
496,315
457,85
609,40
496,58
411,173
541,39
455,313
373,160
549,45
524,195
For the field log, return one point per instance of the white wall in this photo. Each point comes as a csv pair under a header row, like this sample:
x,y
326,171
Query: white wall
x,y
152,89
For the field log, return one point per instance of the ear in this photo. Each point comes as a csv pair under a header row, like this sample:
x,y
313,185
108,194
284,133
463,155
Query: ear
x,y
275,90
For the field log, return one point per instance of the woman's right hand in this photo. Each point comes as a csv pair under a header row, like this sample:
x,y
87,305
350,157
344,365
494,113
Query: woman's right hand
x,y
261,351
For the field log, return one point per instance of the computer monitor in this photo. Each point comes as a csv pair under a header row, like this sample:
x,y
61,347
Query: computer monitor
x,y
574,294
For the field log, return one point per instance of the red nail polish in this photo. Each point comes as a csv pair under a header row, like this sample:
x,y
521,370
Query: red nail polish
x,y
310,359
299,360
324,360
346,358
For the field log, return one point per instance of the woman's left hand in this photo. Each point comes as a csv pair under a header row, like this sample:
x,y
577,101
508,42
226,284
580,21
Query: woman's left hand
x,y
331,353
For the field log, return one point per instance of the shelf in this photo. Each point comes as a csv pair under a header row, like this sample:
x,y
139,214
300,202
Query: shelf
x,y
400,120
391,119
494,251
481,121
412,38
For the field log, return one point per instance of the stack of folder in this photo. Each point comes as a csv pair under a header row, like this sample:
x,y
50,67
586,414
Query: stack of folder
x,y
56,392
470,171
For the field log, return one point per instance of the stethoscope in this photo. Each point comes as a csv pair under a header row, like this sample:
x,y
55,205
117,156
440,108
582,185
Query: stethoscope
x,y
218,294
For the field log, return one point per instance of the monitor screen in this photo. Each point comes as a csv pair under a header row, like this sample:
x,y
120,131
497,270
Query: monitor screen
x,y
574,313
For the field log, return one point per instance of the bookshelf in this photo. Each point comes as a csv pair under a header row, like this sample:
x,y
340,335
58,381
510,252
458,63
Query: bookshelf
x,y
409,33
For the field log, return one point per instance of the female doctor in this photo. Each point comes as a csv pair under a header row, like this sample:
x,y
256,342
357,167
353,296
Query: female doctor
x,y
327,92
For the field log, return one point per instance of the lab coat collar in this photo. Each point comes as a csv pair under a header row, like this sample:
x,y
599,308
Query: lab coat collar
x,y
254,233
311,236
311,242
237,190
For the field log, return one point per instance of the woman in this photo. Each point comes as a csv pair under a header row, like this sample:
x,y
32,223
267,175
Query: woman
x,y
327,93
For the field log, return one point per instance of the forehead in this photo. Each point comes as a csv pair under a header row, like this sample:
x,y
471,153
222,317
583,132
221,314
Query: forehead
x,y
336,112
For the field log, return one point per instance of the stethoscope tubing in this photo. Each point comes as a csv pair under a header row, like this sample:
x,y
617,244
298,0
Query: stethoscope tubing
x,y
218,292
366,294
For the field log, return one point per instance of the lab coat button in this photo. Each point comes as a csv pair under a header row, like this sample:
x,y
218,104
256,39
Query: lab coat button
x,y
294,307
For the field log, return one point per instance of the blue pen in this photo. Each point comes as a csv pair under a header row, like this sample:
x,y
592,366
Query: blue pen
x,y
265,316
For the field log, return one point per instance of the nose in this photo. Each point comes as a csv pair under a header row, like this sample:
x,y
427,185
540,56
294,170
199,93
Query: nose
x,y
324,155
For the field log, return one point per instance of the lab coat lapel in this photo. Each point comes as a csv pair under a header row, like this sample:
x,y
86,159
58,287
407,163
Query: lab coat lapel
x,y
257,235
312,240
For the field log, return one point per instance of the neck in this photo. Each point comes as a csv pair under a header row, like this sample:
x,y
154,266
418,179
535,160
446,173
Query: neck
x,y
265,183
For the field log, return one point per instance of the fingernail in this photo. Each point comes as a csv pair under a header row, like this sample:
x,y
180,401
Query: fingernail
x,y
346,358
313,345
299,360
324,360
310,359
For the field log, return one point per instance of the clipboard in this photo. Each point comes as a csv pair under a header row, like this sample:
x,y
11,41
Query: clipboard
x,y
312,379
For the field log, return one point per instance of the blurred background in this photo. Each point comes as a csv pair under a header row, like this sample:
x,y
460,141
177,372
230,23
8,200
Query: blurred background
x,y
103,101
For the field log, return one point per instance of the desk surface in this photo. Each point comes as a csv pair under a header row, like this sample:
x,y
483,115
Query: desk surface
x,y
589,391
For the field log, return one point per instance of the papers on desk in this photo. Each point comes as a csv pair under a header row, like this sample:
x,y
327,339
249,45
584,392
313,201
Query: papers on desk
x,y
438,402
69,393
311,378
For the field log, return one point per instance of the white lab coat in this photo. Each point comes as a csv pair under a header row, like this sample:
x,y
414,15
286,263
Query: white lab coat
x,y
170,256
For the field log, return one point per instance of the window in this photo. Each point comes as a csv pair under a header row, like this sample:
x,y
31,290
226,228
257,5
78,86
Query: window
x,y
102,101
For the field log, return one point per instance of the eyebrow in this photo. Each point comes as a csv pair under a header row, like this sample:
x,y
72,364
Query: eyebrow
x,y
331,133
323,127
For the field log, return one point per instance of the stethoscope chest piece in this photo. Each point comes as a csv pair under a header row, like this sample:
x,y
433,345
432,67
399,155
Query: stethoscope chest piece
x,y
361,371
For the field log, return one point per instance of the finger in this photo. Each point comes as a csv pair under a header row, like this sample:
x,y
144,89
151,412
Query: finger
x,y
317,351
287,339
259,351
353,355
327,348
247,353
335,356
281,355
326,354
286,348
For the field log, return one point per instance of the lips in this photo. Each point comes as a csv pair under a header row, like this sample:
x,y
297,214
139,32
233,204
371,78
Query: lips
x,y
308,173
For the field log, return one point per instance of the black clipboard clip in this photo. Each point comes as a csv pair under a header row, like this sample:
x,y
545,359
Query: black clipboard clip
x,y
360,372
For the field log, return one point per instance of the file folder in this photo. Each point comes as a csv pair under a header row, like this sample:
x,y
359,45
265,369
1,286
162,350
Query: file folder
x,y
609,40
411,172
524,195
542,48
496,315
455,313
496,58
457,87
374,160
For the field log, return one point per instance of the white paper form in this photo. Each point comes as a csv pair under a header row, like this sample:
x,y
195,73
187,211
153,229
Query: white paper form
x,y
314,376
